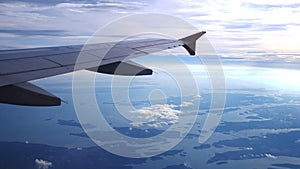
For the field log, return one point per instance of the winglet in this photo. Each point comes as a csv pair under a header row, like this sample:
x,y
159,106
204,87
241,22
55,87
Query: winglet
x,y
190,42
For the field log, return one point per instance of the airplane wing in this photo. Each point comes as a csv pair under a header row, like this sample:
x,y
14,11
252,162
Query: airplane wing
x,y
17,67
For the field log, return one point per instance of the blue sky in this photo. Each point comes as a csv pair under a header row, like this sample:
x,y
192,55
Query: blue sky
x,y
248,28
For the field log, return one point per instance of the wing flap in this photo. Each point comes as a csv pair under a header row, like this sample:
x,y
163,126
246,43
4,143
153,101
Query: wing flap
x,y
24,65
71,58
38,52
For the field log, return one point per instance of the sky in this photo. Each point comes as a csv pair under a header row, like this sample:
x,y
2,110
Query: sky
x,y
249,28
264,32
250,32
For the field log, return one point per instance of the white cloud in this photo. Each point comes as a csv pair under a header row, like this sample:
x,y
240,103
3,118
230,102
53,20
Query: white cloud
x,y
270,156
43,164
186,104
248,148
136,124
157,115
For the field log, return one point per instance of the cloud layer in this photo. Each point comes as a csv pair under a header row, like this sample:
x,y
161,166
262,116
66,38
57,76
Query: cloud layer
x,y
235,28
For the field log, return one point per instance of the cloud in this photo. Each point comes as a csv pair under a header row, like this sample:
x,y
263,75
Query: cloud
x,y
254,27
129,5
270,6
186,104
158,115
77,3
259,28
57,22
233,27
34,32
270,156
42,164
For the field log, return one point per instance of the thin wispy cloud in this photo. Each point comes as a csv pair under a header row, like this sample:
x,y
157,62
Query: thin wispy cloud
x,y
33,32
271,6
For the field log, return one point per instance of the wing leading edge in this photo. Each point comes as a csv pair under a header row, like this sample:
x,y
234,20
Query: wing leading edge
x,y
17,67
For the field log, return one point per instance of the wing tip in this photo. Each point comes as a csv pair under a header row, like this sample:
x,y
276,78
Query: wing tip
x,y
190,42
